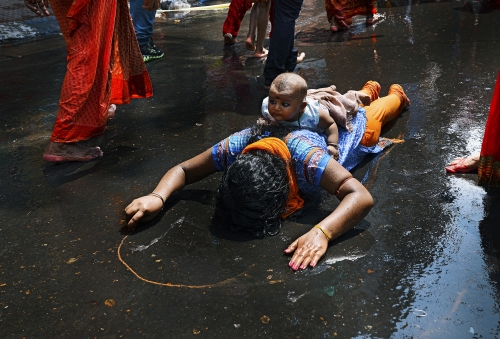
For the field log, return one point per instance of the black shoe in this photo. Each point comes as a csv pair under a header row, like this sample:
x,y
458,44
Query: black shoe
x,y
151,52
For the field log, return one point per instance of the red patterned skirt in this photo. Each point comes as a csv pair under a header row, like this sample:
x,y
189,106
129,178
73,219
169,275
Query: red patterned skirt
x,y
489,166
104,66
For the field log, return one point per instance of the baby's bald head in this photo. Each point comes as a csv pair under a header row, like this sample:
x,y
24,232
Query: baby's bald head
x,y
290,84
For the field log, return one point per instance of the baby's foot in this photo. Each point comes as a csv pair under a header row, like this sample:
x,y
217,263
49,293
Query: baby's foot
x,y
229,39
72,151
301,57
261,54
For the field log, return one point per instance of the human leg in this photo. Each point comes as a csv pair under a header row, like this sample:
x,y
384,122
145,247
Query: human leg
x,y
143,21
381,111
252,27
84,102
489,167
372,89
89,84
371,13
334,12
262,20
232,24
282,54
143,24
464,165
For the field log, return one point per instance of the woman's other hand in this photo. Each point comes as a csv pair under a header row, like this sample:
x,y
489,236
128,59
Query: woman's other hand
x,y
38,6
142,209
307,250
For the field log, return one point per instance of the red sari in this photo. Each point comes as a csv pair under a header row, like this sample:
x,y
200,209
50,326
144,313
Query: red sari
x,y
348,9
489,165
104,66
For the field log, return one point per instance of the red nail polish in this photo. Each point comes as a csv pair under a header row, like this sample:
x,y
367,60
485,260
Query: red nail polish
x,y
312,264
302,267
295,267
290,263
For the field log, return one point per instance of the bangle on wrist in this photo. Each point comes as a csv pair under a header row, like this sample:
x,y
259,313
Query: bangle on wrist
x,y
332,144
158,196
323,231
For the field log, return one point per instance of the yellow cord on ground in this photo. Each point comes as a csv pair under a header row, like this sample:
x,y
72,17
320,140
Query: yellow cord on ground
x,y
170,284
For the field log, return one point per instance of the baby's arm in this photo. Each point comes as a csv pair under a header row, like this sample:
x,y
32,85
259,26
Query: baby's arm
x,y
331,131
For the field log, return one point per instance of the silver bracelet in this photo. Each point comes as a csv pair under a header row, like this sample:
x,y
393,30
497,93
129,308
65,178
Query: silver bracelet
x,y
158,196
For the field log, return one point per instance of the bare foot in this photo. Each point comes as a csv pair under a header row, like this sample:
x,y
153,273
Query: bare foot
x,y
372,18
229,39
301,57
261,54
73,151
339,23
111,110
250,43
464,165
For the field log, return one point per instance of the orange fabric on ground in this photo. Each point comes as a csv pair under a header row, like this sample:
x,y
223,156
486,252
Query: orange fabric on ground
x,y
278,147
104,66
489,165
380,112
349,8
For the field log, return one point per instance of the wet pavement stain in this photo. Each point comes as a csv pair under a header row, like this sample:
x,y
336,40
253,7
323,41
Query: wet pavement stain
x,y
424,263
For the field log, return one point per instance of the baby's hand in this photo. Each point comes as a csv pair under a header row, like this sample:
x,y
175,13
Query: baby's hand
x,y
266,122
333,151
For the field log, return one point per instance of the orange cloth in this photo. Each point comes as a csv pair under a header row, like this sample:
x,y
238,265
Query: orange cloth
x,y
380,112
489,165
104,66
278,147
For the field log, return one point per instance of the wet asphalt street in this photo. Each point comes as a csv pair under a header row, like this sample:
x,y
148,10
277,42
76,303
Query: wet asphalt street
x,y
423,264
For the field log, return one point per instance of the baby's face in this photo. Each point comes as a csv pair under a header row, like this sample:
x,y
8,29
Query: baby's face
x,y
283,106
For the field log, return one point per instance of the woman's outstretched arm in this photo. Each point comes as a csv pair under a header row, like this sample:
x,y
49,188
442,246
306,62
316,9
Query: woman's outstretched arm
x,y
355,204
190,171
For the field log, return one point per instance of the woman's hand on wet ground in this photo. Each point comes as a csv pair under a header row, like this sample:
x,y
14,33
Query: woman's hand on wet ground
x,y
142,209
38,6
307,250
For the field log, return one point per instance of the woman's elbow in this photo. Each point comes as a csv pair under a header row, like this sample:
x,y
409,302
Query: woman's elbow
x,y
367,201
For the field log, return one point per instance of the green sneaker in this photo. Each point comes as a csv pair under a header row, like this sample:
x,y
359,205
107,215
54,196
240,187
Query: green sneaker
x,y
151,52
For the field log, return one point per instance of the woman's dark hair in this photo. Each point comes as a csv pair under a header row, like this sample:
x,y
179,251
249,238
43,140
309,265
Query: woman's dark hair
x,y
254,189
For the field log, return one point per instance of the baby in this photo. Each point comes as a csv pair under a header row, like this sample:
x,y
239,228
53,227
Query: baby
x,y
288,105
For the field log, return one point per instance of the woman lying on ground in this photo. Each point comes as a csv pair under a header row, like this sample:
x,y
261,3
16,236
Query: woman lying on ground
x,y
266,167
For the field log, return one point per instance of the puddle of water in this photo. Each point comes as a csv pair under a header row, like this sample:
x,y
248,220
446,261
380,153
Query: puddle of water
x,y
455,288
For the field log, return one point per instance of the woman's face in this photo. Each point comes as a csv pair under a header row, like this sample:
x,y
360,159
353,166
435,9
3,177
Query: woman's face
x,y
284,106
